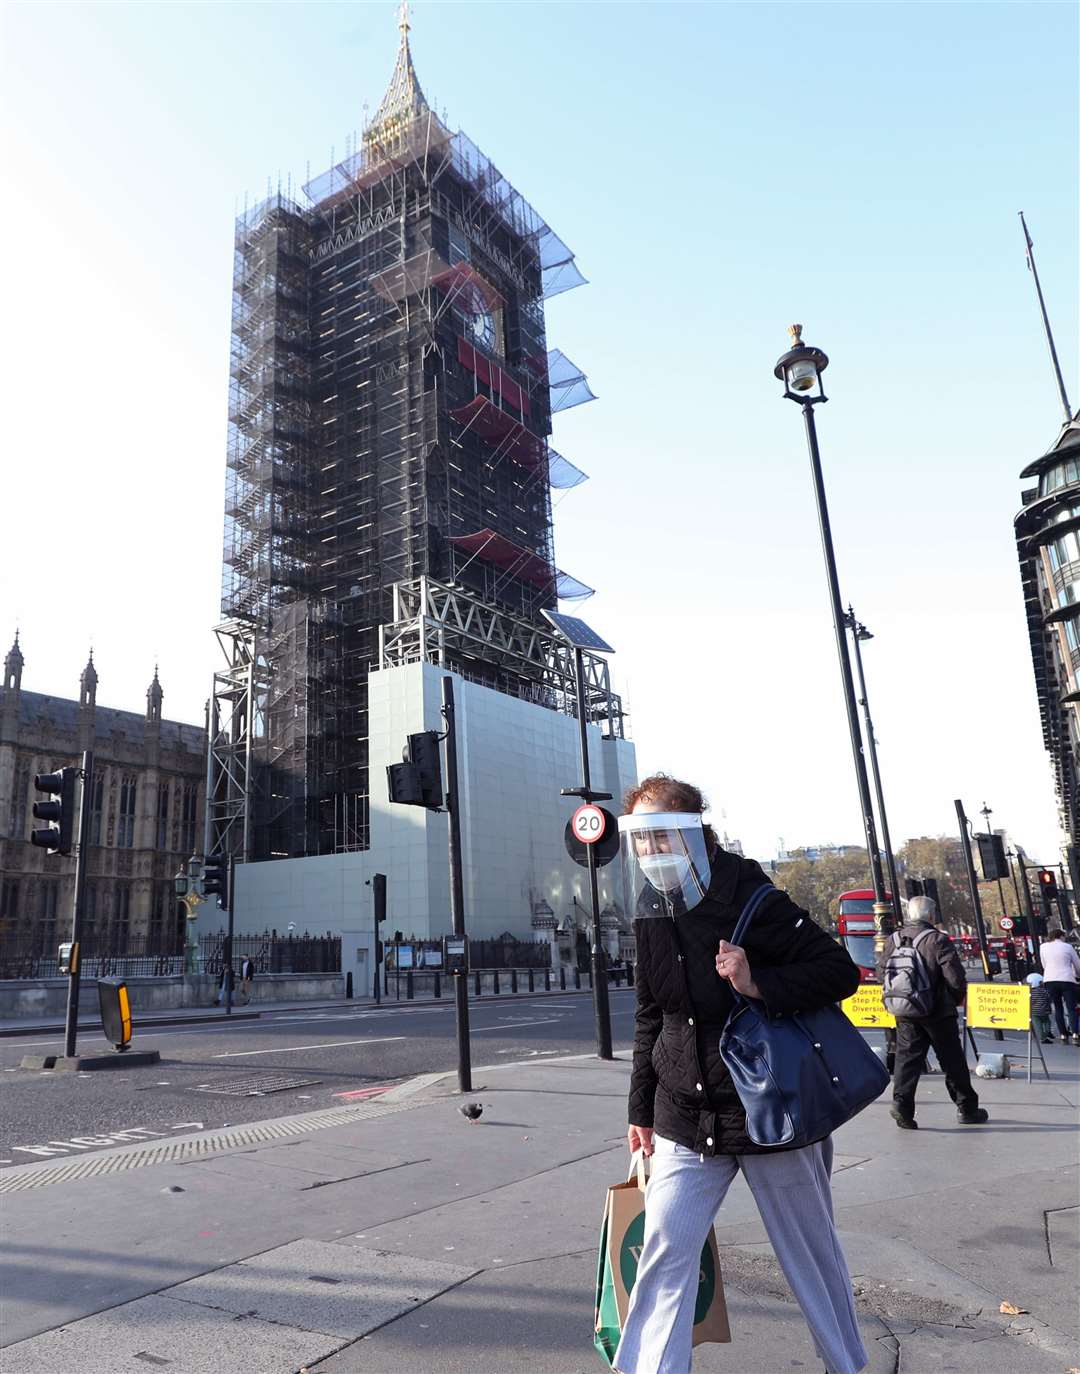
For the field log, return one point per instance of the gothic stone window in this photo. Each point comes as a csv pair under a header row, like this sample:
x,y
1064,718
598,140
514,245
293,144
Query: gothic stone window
x,y
19,794
97,806
50,896
187,819
9,904
125,827
121,926
163,816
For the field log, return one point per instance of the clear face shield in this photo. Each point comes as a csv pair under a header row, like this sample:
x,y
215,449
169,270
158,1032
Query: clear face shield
x,y
665,862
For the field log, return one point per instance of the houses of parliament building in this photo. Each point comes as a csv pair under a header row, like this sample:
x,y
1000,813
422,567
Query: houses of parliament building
x,y
146,815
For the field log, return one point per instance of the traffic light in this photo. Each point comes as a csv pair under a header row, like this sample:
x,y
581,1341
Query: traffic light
x,y
913,887
378,892
930,889
992,856
60,813
417,781
1047,880
215,878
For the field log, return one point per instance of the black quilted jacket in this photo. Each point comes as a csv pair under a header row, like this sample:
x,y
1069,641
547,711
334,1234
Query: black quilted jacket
x,y
680,1085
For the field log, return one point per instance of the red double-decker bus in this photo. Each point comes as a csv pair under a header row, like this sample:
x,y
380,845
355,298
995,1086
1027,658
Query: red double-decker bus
x,y
855,925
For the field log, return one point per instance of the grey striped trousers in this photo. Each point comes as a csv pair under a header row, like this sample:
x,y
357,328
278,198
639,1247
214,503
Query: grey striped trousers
x,y
791,1189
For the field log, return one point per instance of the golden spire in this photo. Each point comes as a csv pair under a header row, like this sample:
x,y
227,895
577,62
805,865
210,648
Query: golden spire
x,y
404,100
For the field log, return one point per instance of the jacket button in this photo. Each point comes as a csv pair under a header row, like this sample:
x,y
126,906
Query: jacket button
x,y
689,1020
699,1087
708,1140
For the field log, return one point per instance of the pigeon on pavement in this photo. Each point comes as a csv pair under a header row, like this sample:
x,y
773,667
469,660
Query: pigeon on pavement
x,y
471,1111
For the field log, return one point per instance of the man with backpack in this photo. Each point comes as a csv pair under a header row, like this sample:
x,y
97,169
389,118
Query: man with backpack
x,y
923,984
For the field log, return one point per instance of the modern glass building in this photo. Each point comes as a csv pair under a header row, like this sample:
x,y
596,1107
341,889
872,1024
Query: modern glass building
x,y
1048,543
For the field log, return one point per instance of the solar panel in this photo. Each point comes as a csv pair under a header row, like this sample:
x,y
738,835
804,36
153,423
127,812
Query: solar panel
x,y
577,632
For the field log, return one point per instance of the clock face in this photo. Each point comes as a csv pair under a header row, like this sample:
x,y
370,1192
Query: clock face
x,y
482,327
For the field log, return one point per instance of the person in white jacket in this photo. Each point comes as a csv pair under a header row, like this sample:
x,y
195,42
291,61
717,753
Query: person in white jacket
x,y
1061,970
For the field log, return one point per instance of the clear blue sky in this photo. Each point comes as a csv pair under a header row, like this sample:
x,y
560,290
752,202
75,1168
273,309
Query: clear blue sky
x,y
720,171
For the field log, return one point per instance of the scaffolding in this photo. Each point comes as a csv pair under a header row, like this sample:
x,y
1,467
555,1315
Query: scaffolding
x,y
447,626
391,404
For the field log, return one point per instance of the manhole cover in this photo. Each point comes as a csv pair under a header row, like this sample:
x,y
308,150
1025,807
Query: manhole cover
x,y
255,1087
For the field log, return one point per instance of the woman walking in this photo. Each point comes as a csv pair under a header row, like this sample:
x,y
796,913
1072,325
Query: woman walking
x,y
683,1107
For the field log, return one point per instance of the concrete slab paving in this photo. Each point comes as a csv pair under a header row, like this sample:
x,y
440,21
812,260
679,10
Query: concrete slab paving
x,y
159,1333
338,1289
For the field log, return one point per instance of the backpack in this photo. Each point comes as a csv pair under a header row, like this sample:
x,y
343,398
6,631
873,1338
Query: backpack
x,y
907,984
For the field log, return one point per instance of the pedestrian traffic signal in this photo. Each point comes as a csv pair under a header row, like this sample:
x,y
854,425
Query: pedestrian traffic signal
x,y
215,878
60,813
1047,880
417,781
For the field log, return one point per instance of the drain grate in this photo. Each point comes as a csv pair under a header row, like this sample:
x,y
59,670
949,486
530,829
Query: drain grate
x,y
197,1148
256,1086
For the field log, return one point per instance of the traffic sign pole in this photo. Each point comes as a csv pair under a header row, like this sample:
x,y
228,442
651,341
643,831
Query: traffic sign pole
x,y
601,1005
457,891
71,1023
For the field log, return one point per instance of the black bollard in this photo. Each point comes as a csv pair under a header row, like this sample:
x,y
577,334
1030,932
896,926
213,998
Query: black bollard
x,y
495,980
547,980
348,985
562,977
577,977
478,988
408,986
438,985
513,980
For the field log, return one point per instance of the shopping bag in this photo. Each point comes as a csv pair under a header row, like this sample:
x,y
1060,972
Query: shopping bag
x,y
622,1234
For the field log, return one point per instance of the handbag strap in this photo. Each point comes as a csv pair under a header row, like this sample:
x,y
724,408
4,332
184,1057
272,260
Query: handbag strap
x,y
638,1166
750,910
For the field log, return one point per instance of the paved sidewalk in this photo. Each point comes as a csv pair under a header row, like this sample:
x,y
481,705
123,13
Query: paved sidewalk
x,y
395,1236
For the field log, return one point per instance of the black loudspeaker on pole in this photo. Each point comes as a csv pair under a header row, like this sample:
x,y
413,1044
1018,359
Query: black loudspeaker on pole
x,y
457,892
71,1026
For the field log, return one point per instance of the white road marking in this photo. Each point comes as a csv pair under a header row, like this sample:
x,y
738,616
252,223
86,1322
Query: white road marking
x,y
295,1049
543,1021
88,1142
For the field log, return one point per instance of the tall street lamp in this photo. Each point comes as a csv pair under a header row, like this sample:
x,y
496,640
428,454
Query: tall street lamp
x,y
859,634
800,370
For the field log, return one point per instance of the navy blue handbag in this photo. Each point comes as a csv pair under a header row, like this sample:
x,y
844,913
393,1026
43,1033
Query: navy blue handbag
x,y
798,1076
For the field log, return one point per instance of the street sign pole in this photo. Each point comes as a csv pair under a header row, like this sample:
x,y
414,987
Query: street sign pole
x,y
71,1025
601,1004
230,965
457,891
980,924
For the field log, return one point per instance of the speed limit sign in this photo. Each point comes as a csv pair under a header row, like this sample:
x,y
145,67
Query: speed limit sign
x,y
588,824
1006,923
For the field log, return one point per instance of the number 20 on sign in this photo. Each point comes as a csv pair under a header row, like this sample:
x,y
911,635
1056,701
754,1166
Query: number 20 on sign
x,y
588,824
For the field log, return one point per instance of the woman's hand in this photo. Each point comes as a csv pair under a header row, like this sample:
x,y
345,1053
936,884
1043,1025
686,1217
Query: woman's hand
x,y
731,963
640,1138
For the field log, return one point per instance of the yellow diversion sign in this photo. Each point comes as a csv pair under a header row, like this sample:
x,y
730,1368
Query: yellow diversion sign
x,y
865,1008
999,1006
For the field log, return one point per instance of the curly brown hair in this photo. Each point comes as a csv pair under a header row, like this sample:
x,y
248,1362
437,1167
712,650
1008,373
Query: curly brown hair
x,y
668,792
671,793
